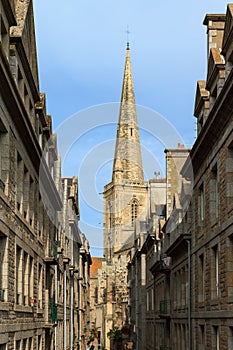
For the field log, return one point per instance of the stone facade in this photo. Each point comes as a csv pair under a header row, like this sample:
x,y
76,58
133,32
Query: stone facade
x,y
191,260
212,229
39,237
149,299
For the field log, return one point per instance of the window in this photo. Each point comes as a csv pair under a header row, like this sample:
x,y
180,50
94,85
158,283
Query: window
x,y
202,338
31,278
26,98
19,275
39,342
18,345
20,82
230,338
214,193
152,299
4,39
147,301
25,343
25,194
134,211
31,202
3,267
30,343
201,204
40,286
178,291
40,137
215,273
4,157
228,264
19,181
41,218
3,347
201,278
229,177
215,338
24,277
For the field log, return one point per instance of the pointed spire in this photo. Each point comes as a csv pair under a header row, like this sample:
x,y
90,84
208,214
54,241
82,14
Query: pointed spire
x,y
128,150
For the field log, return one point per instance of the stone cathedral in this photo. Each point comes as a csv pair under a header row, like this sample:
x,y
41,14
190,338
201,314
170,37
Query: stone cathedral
x,y
133,208
125,197
125,203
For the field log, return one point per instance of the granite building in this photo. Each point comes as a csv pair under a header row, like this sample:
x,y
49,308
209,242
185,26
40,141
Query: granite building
x,y
192,270
39,237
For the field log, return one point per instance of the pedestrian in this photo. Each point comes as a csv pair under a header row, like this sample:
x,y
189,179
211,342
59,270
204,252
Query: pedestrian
x,y
90,346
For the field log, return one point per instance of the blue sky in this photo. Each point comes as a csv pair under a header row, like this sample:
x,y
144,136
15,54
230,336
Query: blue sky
x,y
81,53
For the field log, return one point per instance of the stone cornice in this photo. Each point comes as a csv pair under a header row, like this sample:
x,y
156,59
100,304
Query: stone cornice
x,y
220,114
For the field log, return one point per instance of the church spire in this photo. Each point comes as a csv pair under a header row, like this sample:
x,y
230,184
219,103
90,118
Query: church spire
x,y
128,160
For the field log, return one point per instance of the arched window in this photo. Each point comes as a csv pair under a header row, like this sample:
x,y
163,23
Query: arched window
x,y
134,211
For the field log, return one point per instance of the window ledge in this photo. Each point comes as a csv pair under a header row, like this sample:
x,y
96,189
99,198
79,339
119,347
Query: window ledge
x,y
23,308
4,306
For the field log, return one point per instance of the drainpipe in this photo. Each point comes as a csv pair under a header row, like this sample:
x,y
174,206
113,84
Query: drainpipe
x,y
55,288
55,331
136,304
189,296
72,295
154,296
64,313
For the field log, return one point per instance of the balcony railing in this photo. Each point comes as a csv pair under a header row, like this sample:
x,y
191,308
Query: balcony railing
x,y
165,308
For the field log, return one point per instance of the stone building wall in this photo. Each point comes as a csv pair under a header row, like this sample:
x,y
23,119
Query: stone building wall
x,y
39,241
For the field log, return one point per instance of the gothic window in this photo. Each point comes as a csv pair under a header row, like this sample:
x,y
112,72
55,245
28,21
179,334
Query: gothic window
x,y
134,211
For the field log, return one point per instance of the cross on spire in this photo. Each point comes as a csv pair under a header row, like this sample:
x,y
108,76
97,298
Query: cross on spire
x,y
127,32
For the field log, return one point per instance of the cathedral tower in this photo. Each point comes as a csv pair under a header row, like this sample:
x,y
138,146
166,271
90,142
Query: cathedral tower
x,y
125,197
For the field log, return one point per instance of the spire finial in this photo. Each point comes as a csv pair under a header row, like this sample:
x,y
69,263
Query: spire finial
x,y
127,32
